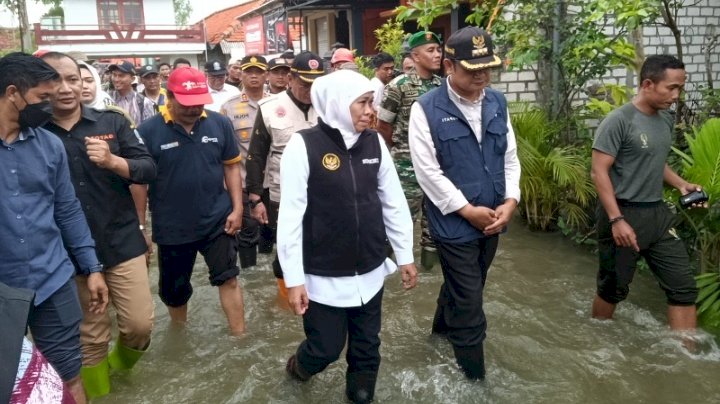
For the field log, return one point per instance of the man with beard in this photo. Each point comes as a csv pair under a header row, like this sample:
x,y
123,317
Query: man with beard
x,y
107,157
41,222
278,118
393,117
196,154
242,110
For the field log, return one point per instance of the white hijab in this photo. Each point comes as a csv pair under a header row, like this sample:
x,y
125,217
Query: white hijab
x,y
102,99
332,95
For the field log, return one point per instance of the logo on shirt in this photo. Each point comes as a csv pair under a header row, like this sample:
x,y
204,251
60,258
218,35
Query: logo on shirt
x,y
206,139
280,112
371,161
448,119
644,140
331,161
674,233
106,137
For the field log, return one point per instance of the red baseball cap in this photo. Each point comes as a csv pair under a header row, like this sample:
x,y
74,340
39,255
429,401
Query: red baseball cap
x,y
342,55
189,87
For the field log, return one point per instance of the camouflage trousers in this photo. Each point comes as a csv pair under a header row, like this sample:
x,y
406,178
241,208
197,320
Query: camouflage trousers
x,y
415,198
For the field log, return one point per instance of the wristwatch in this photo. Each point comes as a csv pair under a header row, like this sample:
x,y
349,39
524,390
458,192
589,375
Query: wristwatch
x,y
254,203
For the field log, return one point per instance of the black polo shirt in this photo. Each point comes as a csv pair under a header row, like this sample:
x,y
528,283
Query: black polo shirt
x,y
188,199
104,195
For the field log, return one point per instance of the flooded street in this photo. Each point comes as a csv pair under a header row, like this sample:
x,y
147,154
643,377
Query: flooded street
x,y
542,347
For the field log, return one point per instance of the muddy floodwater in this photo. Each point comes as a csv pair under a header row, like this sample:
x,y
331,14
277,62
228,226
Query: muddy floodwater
x,y
542,347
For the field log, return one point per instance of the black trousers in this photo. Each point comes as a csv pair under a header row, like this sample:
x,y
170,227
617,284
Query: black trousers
x,y
459,313
327,328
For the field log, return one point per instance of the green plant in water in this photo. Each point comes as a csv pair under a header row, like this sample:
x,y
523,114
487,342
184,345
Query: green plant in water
x,y
701,165
555,180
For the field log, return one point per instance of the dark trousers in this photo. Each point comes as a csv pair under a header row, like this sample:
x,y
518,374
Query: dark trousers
x,y
327,328
459,313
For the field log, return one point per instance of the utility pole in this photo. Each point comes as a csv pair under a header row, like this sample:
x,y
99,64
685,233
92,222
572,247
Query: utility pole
x,y
25,39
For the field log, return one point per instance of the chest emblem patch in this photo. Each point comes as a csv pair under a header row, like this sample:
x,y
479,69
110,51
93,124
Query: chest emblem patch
x,y
644,140
331,161
280,112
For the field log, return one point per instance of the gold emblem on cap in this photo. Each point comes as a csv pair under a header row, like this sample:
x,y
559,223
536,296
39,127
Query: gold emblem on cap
x,y
428,35
253,59
480,48
331,161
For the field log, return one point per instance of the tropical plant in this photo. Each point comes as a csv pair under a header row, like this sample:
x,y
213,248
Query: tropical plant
x,y
555,181
390,38
701,165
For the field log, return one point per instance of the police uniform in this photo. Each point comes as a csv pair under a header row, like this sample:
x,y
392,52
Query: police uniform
x,y
278,118
399,96
242,112
464,153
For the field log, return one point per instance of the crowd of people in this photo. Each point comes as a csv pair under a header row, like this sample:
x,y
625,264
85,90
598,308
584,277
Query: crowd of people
x,y
330,166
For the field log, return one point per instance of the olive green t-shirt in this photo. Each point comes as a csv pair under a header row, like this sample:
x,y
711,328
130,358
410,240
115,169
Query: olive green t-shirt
x,y
640,144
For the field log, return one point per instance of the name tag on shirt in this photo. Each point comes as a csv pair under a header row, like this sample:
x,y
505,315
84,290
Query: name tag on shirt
x,y
169,145
371,161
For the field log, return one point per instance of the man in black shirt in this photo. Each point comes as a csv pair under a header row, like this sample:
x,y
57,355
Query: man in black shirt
x,y
106,156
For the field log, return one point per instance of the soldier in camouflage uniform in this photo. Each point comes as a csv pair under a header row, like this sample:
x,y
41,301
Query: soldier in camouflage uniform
x,y
393,117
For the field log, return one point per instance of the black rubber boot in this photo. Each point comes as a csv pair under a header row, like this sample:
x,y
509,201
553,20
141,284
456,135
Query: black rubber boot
x,y
471,360
265,244
360,386
248,256
296,371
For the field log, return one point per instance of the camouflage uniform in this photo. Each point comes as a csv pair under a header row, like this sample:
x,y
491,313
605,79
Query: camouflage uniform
x,y
398,97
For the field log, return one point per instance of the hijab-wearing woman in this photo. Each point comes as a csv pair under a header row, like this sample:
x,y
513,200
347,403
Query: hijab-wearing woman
x,y
92,94
341,196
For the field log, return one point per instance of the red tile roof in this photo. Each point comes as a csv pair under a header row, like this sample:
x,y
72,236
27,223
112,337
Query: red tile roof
x,y
223,24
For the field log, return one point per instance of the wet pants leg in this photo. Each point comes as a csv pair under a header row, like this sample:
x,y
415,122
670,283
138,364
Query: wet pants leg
x,y
327,328
465,268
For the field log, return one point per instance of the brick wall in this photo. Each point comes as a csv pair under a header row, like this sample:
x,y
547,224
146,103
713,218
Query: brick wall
x,y
9,39
695,23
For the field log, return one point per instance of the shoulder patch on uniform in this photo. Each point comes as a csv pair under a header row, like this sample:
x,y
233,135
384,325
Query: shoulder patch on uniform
x,y
118,110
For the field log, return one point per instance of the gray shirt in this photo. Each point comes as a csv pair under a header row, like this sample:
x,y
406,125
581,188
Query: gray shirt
x,y
640,144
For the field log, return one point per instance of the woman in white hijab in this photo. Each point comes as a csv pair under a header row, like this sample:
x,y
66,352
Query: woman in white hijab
x,y
92,95
341,196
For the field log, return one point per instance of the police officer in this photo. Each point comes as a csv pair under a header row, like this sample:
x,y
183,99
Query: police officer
x,y
465,157
242,109
107,155
393,116
278,118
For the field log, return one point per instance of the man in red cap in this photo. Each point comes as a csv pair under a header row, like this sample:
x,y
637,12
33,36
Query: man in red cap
x,y
196,200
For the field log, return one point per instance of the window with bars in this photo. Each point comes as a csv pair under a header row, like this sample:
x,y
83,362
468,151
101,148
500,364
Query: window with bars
x,y
122,12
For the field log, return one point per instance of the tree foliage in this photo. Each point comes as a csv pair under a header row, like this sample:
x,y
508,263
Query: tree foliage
x,y
182,11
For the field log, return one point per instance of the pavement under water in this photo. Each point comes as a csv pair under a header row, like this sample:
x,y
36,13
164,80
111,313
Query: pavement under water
x,y
541,347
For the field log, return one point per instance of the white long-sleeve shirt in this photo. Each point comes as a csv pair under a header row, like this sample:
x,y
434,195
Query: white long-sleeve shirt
x,y
346,291
441,191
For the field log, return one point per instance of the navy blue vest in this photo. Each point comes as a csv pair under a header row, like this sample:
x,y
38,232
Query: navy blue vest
x,y
343,227
478,170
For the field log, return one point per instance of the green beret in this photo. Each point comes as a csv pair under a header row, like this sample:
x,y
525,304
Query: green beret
x,y
422,38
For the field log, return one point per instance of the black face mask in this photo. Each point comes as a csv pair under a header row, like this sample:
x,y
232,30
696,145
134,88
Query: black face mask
x,y
34,115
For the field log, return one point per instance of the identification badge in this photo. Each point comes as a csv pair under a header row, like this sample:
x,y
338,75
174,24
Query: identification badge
x,y
169,145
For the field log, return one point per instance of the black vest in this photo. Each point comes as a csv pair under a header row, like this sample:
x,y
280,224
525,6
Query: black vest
x,y
343,228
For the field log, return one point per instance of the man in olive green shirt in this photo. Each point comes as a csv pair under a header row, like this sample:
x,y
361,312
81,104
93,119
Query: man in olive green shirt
x,y
629,169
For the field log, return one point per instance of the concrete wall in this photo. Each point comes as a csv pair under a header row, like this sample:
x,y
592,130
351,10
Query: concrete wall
x,y
84,12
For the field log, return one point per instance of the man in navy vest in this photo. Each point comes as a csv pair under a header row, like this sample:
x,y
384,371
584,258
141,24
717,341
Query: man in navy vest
x,y
465,157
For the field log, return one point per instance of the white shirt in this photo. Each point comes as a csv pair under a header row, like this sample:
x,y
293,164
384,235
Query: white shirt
x,y
441,191
347,291
221,96
379,90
